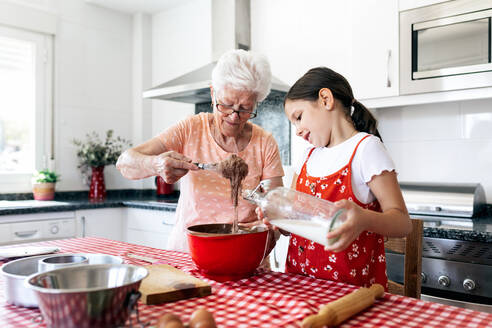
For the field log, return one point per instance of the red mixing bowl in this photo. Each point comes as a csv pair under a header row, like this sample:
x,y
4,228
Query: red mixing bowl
x,y
222,256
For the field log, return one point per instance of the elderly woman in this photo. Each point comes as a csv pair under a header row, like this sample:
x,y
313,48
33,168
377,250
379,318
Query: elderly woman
x,y
240,80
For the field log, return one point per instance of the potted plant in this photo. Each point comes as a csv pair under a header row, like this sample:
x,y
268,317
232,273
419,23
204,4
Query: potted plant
x,y
95,154
43,184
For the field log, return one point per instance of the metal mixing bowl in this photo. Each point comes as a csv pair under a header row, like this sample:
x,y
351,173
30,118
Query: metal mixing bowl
x,y
60,261
99,295
15,272
103,259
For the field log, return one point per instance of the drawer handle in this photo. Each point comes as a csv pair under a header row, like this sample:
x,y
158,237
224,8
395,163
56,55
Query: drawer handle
x,y
25,234
388,62
82,219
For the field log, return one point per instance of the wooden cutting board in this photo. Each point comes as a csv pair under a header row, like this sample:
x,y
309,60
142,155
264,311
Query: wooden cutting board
x,y
168,284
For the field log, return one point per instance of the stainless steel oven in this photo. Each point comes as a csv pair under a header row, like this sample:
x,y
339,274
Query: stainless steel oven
x,y
446,46
456,257
454,272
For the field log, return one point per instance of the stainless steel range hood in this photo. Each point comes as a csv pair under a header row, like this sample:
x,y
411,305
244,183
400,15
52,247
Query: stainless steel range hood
x,y
194,87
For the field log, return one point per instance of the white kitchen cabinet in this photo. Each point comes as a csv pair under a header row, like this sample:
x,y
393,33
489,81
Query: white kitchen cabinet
x,y
104,222
149,227
374,49
4,233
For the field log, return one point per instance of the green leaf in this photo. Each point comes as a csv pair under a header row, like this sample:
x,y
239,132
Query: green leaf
x,y
95,152
46,176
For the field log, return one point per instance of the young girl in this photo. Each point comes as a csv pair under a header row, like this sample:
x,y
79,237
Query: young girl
x,y
350,166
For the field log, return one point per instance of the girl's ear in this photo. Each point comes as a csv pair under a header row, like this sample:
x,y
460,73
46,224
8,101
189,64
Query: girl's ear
x,y
326,99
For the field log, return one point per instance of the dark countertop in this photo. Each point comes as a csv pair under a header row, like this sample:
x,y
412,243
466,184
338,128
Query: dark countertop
x,y
71,201
458,234
478,230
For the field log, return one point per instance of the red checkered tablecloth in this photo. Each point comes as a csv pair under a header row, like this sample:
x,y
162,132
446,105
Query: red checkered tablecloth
x,y
268,299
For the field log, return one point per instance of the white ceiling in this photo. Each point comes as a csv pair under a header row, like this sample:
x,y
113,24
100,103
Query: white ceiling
x,y
136,6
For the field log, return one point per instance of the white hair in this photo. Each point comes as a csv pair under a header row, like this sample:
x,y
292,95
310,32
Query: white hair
x,y
243,70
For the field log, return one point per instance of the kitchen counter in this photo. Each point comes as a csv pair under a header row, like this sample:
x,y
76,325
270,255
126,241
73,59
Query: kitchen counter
x,y
267,299
72,201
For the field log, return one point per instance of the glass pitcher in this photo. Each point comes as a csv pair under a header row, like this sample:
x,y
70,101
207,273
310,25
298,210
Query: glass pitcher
x,y
297,212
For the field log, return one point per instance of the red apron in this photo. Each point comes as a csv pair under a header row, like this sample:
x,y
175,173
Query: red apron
x,y
363,262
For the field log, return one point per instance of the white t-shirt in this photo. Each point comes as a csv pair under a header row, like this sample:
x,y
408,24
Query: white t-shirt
x,y
371,159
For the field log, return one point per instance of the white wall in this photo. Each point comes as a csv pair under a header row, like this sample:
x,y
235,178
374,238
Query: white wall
x,y
181,42
296,38
141,81
93,62
447,142
92,80
296,35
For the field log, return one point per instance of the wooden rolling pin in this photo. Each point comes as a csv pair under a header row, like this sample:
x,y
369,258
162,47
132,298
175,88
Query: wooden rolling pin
x,y
334,313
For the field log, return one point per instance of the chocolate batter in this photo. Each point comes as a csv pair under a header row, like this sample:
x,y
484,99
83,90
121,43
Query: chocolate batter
x,y
235,169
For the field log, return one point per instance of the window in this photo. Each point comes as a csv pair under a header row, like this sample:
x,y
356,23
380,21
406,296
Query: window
x,y
25,106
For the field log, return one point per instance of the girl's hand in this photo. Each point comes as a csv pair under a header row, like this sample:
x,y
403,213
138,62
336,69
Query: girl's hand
x,y
345,234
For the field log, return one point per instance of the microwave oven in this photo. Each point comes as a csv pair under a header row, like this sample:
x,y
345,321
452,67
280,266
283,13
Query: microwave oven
x,y
446,46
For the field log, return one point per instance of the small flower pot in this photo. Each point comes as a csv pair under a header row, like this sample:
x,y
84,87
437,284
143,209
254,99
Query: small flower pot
x,y
43,190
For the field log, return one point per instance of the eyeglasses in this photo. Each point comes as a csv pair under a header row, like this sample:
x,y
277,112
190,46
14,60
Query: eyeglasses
x,y
228,110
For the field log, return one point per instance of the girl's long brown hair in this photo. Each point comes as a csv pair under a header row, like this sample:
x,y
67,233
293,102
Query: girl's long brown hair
x,y
309,85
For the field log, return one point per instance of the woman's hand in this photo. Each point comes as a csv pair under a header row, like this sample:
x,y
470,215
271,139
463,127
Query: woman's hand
x,y
272,232
171,166
345,234
261,217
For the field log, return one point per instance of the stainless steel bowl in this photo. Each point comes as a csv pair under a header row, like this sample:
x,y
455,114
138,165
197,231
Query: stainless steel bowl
x,y
99,295
15,272
103,259
61,260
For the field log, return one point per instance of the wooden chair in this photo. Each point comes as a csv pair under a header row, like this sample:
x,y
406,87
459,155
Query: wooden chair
x,y
411,246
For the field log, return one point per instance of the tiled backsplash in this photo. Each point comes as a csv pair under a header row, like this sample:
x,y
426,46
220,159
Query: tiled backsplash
x,y
446,142
271,117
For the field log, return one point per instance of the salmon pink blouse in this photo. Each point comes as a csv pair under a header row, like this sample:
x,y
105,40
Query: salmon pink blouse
x,y
205,196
